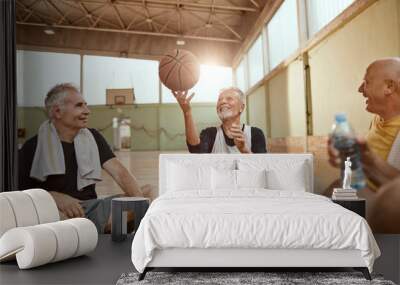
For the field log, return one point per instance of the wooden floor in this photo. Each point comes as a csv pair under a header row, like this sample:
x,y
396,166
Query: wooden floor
x,y
142,164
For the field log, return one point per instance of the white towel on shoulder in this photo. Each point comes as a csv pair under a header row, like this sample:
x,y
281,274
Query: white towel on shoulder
x,y
49,156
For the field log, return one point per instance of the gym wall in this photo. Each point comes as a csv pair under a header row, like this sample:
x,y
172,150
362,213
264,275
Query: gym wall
x,y
257,104
155,126
287,102
146,120
337,66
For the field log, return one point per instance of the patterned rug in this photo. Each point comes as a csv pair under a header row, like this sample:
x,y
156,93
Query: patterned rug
x,y
242,278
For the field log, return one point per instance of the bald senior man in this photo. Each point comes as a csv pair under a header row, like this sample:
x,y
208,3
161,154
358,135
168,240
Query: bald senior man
x,y
380,152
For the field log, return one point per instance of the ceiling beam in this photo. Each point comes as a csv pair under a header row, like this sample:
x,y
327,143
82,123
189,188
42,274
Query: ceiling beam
x,y
70,4
197,17
86,12
42,17
255,3
144,21
85,15
100,16
218,28
218,39
172,4
209,21
58,11
147,13
145,16
62,19
121,22
28,15
214,25
166,23
199,5
107,22
195,31
236,34
132,22
93,19
180,18
33,4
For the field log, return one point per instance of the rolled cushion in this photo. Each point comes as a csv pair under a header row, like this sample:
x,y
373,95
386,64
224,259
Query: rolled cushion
x,y
37,245
87,235
23,208
45,205
66,238
33,246
7,218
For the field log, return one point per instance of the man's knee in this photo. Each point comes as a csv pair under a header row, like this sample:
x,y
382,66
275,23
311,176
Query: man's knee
x,y
385,213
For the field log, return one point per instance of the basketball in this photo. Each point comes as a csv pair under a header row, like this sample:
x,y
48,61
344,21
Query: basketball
x,y
179,70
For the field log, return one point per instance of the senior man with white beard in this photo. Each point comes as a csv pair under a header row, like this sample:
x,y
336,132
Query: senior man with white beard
x,y
231,136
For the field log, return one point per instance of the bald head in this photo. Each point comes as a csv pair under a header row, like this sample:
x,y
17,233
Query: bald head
x,y
381,87
387,68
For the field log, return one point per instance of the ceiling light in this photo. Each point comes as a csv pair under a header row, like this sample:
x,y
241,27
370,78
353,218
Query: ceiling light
x,y
49,31
208,25
149,20
180,42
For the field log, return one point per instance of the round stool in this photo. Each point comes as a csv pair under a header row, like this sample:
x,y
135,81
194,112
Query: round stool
x,y
119,208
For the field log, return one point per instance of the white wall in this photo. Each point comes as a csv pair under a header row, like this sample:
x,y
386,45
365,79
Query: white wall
x,y
296,99
287,102
320,13
37,72
338,64
256,61
257,109
101,73
240,76
283,37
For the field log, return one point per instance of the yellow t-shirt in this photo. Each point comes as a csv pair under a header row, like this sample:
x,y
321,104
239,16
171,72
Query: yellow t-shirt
x,y
380,138
382,134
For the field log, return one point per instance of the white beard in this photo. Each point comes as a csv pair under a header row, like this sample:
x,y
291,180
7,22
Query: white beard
x,y
223,115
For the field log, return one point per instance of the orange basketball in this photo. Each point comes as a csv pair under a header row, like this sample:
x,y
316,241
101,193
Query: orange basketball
x,y
179,70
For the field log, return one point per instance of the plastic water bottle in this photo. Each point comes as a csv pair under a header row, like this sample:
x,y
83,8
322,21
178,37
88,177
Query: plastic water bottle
x,y
344,140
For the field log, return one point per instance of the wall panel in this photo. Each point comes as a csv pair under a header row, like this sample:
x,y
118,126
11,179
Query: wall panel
x,y
338,65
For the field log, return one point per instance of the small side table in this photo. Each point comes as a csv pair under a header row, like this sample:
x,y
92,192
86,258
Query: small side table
x,y
119,208
356,206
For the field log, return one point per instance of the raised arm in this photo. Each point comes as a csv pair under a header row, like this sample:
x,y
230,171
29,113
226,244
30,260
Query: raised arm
x,y
123,177
183,99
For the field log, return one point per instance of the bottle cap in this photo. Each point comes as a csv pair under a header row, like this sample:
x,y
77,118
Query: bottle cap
x,y
340,117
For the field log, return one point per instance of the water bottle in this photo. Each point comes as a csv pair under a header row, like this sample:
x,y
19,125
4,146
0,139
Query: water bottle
x,y
344,140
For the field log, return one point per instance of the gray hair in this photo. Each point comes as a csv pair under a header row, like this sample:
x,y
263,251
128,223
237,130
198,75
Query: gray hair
x,y
235,90
56,96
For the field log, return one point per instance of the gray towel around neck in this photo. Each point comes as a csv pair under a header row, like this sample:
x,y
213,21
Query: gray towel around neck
x,y
49,156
